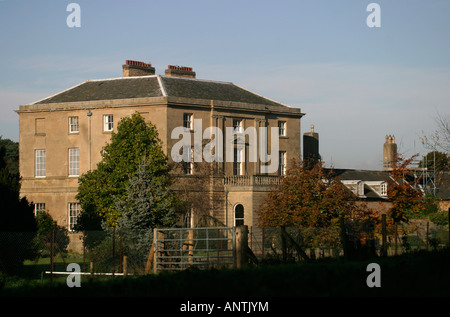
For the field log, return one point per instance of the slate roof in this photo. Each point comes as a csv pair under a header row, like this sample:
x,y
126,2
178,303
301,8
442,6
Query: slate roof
x,y
363,175
158,86
108,89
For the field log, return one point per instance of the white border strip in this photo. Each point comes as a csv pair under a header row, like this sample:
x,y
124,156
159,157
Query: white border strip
x,y
163,90
81,273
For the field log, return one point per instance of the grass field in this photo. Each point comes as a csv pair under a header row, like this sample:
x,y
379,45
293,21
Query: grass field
x,y
409,275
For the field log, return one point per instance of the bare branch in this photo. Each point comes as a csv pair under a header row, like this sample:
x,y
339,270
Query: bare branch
x,y
440,139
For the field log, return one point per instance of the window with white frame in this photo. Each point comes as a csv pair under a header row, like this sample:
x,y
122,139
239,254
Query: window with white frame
x,y
187,121
383,189
40,163
74,211
282,163
239,215
73,125
237,125
74,162
39,207
108,122
188,165
282,128
238,162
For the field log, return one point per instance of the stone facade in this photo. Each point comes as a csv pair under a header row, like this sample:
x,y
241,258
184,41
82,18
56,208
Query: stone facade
x,y
62,136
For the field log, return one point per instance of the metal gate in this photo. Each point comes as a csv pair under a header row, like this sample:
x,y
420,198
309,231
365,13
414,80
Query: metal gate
x,y
182,248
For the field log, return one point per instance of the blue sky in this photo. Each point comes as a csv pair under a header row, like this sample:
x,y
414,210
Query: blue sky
x,y
356,84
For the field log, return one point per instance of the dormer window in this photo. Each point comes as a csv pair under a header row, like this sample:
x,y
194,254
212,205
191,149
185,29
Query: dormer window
x,y
383,189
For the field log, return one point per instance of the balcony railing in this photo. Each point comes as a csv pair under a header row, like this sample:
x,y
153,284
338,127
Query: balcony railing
x,y
252,180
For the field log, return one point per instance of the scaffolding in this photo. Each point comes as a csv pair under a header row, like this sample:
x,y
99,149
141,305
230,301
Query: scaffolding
x,y
425,178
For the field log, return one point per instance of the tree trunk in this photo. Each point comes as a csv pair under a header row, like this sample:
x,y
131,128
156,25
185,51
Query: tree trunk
x,y
286,236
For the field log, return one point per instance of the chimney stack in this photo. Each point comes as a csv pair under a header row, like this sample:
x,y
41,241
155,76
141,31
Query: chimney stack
x,y
311,154
389,153
179,71
136,68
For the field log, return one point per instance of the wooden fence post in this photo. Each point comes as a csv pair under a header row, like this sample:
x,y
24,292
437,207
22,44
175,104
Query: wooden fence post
x,y
283,243
52,253
241,246
263,242
395,237
113,250
124,267
383,236
190,245
91,267
343,234
151,254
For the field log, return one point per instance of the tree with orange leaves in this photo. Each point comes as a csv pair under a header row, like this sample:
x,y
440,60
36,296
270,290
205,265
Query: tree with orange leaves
x,y
306,197
405,199
315,201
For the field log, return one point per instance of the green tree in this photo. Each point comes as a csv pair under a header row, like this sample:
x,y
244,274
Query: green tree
x,y
11,154
436,160
149,204
48,230
99,189
17,222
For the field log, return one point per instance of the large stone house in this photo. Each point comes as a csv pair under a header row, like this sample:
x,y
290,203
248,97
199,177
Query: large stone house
x,y
62,136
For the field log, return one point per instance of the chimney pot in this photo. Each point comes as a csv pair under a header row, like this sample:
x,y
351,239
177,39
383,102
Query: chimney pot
x,y
137,68
179,71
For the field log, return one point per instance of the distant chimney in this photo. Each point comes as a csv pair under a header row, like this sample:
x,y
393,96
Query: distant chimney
x,y
179,71
311,154
135,68
389,153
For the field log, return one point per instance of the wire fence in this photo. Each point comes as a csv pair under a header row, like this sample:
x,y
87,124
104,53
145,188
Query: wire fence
x,y
114,253
281,245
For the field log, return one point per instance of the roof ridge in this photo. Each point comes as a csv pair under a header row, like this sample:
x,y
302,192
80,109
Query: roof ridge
x,y
163,89
120,78
198,79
